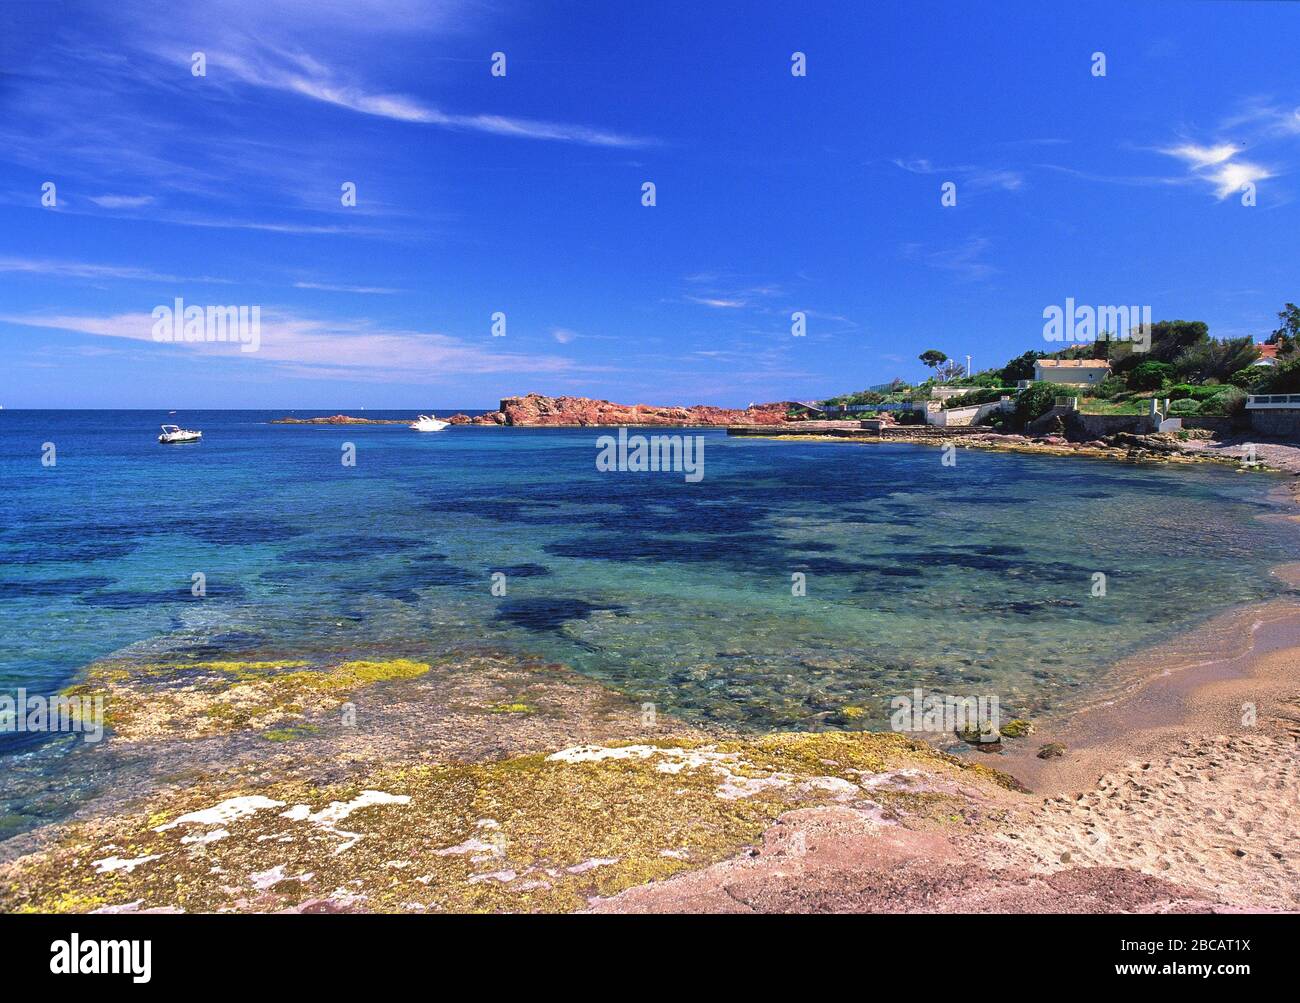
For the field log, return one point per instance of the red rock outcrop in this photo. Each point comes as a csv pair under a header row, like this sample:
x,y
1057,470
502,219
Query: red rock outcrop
x,y
536,409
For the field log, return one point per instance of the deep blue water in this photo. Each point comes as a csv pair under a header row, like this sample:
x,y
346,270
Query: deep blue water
x,y
975,576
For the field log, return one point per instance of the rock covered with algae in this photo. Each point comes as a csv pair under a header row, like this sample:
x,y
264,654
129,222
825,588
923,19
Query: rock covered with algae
x,y
538,832
196,699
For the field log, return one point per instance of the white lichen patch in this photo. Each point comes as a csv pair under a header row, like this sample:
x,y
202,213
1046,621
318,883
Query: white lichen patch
x,y
272,877
592,864
736,777
110,864
598,754
227,811
335,812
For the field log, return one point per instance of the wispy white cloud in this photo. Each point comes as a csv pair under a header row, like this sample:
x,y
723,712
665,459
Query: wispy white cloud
x,y
718,303
965,260
1264,118
340,349
1135,180
330,288
1219,166
1202,156
722,291
968,174
309,77
47,268
563,335
121,201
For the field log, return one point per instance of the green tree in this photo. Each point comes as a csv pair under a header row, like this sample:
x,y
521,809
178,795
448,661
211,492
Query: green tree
x,y
933,358
1149,375
1288,331
1215,360
1170,338
1020,368
1289,324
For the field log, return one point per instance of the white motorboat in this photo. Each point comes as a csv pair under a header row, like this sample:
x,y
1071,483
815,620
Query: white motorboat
x,y
174,433
429,423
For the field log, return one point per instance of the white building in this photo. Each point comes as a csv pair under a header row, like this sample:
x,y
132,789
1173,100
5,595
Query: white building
x,y
1072,372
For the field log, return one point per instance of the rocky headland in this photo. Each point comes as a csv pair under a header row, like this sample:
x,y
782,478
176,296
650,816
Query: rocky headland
x,y
582,412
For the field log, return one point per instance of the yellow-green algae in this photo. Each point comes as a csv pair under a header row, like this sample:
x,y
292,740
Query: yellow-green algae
x,y
530,833
1017,728
201,698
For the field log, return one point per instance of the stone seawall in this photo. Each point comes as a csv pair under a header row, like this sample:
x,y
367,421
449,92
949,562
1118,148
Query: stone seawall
x,y
859,430
1086,427
1281,424
1219,426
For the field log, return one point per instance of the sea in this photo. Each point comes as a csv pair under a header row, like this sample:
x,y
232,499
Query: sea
x,y
787,582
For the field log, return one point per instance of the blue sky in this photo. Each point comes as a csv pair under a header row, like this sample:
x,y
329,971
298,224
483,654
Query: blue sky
x,y
522,194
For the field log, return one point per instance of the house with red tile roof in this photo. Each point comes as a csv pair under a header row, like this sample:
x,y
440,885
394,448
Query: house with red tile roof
x,y
1267,355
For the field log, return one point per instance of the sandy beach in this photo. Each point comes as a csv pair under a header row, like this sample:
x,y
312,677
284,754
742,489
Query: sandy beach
x,y
1164,801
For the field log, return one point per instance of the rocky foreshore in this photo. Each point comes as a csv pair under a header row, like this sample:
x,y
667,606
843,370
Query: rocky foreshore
x,y
483,783
1156,447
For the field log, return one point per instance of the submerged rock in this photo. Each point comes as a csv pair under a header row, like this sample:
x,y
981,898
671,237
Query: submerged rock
x,y
194,699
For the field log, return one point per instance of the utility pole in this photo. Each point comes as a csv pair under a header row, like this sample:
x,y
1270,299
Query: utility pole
x,y
968,366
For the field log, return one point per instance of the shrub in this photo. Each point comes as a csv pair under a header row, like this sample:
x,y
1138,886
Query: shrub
x,y
1181,391
1036,400
1184,406
1149,375
1229,403
1250,377
1283,379
1109,388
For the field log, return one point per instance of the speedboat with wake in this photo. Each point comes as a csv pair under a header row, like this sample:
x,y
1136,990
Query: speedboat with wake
x,y
429,423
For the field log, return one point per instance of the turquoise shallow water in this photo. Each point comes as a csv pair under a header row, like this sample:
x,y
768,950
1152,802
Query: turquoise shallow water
x,y
969,579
